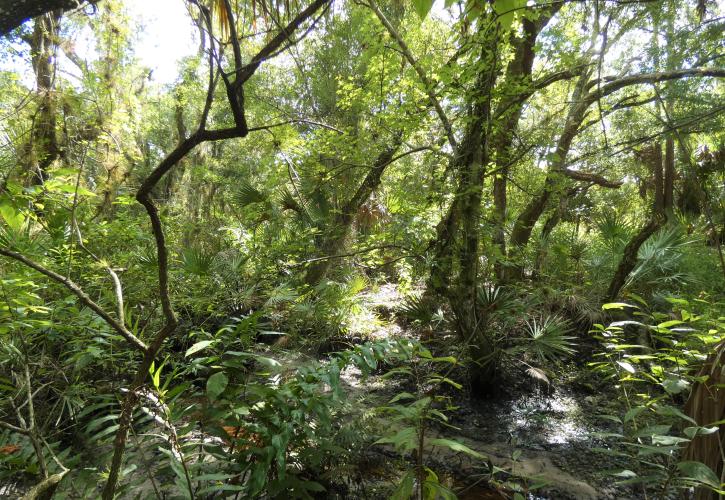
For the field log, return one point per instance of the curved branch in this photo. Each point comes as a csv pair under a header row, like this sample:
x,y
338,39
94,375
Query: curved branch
x,y
613,83
427,83
588,177
83,296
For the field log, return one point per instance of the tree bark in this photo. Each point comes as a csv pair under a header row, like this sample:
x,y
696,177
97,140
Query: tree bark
x,y
518,72
706,405
668,188
143,196
42,148
13,13
629,256
659,186
526,221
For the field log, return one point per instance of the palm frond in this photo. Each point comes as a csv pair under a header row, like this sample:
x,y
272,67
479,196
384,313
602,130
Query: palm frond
x,y
246,194
547,339
196,261
417,309
659,257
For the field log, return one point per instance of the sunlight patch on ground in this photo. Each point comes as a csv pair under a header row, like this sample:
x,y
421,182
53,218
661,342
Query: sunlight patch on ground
x,y
553,419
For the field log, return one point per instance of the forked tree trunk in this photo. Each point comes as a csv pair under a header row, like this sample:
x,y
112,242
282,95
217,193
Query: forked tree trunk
x,y
334,241
518,72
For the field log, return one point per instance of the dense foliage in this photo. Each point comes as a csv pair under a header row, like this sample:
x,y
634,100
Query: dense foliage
x,y
201,282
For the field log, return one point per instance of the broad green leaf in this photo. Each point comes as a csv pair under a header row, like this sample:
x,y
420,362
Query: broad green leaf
x,y
653,430
405,489
675,385
506,10
691,432
617,305
633,413
203,344
405,439
13,218
401,396
216,384
422,7
627,366
611,417
699,472
674,412
455,446
670,323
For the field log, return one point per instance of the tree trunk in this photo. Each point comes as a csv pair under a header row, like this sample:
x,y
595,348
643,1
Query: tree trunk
x,y
629,256
42,149
659,187
13,13
658,219
706,405
334,241
521,233
668,188
518,72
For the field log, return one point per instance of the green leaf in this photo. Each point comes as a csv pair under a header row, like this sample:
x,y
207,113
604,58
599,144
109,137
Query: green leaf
x,y
653,430
12,218
617,305
422,7
216,385
448,381
611,417
627,366
633,413
691,432
402,395
675,385
626,473
674,412
455,446
203,344
405,439
405,489
506,9
670,323
700,473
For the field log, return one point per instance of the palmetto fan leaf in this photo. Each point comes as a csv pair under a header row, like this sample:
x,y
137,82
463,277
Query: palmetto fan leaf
x,y
615,230
196,261
287,201
660,256
417,309
246,194
546,338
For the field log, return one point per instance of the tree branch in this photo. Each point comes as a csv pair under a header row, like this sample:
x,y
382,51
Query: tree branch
x,y
589,177
83,296
613,83
427,83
